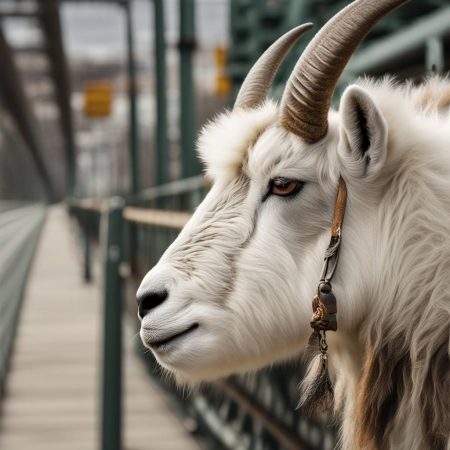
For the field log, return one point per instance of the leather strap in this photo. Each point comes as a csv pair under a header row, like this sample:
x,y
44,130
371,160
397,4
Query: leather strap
x,y
339,209
331,253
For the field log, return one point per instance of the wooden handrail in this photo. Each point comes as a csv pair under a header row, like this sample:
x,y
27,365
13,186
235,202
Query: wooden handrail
x,y
143,216
156,217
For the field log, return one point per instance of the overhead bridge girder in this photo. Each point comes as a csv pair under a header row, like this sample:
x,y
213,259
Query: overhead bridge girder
x,y
51,26
12,92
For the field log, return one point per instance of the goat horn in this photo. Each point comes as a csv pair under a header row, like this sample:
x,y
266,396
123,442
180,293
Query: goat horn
x,y
309,90
257,83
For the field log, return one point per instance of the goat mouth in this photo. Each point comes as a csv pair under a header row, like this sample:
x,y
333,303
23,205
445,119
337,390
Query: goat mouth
x,y
161,343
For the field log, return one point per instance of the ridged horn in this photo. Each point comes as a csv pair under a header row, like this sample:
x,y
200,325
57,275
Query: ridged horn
x,y
309,90
257,83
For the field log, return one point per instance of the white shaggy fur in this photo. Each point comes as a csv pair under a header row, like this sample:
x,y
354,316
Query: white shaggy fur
x,y
225,141
245,270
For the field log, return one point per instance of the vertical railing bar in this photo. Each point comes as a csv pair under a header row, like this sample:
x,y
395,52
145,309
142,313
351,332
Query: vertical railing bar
x,y
132,93
190,164
87,272
162,147
111,402
134,131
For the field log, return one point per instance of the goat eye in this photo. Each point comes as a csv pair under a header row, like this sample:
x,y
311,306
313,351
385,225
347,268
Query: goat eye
x,y
285,186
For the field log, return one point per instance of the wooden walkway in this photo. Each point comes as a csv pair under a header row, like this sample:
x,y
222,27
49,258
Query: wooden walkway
x,y
52,399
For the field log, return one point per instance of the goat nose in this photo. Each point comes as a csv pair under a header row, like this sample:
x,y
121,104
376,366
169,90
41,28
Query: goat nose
x,y
150,300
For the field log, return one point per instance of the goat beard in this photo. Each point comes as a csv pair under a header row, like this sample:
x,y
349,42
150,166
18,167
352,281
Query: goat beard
x,y
316,389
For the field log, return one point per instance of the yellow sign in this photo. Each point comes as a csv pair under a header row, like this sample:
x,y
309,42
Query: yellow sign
x,y
97,99
223,82
220,55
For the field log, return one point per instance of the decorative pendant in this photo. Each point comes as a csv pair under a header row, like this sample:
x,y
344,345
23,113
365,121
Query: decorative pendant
x,y
324,308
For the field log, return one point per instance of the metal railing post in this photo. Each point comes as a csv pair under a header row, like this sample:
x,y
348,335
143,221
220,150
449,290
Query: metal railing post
x,y
132,93
51,25
111,426
162,147
190,163
134,151
87,275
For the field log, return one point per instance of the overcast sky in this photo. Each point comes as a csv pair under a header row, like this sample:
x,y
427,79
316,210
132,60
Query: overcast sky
x,y
96,31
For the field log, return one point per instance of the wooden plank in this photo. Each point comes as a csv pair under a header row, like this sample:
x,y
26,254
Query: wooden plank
x,y
156,217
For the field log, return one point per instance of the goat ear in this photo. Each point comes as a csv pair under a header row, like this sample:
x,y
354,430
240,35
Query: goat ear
x,y
363,133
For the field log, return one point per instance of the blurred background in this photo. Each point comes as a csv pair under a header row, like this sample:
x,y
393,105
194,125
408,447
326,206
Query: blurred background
x,y
100,105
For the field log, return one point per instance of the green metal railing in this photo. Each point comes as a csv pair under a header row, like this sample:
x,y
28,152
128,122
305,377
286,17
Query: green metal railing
x,y
20,226
23,192
161,144
112,326
403,43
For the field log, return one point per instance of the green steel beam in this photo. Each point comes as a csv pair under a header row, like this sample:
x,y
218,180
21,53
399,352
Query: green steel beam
x,y
13,94
132,94
297,13
190,163
162,147
111,424
408,39
134,158
51,24
174,187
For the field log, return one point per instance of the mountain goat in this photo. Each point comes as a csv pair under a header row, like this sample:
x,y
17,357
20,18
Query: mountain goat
x,y
233,292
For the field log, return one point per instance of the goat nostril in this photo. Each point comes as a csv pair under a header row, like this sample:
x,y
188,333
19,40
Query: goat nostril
x,y
151,300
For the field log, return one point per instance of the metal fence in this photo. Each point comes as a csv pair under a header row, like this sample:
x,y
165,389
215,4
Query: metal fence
x,y
22,212
20,225
414,38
